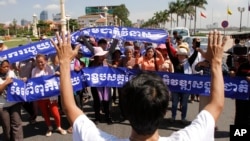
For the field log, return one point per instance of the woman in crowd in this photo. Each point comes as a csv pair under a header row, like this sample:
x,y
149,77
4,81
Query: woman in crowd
x,y
47,105
152,60
10,112
182,64
167,66
116,60
101,94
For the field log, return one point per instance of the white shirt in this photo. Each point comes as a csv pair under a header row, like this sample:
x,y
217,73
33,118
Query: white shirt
x,y
3,101
201,129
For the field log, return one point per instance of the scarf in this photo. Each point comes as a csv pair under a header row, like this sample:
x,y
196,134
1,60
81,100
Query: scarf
x,y
187,67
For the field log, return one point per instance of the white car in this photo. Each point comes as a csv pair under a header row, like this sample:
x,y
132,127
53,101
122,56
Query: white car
x,y
203,45
183,31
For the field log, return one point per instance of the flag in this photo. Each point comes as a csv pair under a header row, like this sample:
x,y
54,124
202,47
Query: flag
x,y
203,15
229,12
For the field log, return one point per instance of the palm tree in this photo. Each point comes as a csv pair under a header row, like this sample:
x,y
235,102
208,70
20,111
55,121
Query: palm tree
x,y
187,10
195,4
161,17
175,7
171,10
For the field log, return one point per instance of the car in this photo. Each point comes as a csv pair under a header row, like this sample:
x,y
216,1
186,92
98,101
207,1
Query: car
x,y
183,31
203,39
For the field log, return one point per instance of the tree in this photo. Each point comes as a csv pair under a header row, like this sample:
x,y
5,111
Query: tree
x,y
195,4
122,13
73,25
187,10
176,7
43,26
171,10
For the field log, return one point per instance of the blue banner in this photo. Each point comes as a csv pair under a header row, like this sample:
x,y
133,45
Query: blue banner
x,y
123,33
47,86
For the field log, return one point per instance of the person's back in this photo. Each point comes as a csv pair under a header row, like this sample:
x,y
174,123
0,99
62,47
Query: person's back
x,y
148,97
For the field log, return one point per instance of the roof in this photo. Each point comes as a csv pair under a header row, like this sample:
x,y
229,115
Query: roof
x,y
101,20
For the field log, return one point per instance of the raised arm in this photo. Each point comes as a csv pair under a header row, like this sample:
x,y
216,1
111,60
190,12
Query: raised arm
x,y
214,55
171,53
65,55
113,45
84,41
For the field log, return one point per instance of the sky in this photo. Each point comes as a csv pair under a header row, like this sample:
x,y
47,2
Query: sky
x,y
216,10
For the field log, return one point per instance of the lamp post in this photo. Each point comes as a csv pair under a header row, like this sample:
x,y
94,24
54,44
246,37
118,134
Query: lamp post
x,y
63,17
68,18
241,9
105,10
116,20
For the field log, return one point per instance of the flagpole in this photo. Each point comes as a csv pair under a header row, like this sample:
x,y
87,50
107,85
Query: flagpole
x,y
248,14
200,22
227,12
212,16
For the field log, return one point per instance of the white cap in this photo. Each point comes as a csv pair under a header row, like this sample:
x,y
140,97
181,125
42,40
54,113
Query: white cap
x,y
99,51
1,41
182,51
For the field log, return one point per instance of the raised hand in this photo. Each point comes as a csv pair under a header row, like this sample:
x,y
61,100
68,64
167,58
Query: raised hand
x,y
215,47
63,48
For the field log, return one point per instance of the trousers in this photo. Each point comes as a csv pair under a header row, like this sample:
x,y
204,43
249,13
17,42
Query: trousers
x,y
10,118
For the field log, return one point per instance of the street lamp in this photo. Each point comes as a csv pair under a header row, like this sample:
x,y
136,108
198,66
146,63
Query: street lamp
x,y
68,18
241,9
116,20
105,10
63,19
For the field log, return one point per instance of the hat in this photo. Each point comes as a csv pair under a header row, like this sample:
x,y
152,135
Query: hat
x,y
99,51
1,41
183,49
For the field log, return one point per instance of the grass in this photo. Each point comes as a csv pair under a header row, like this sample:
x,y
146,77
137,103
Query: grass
x,y
16,42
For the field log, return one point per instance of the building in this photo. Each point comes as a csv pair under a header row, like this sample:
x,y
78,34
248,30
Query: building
x,y
44,15
99,9
24,22
56,17
94,20
95,16
213,26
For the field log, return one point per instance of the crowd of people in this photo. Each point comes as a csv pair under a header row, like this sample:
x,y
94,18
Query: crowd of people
x,y
174,56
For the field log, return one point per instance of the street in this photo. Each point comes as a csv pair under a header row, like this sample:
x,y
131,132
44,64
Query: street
x,y
37,131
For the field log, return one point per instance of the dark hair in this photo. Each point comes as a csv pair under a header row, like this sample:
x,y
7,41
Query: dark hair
x,y
237,41
144,101
1,62
179,37
41,55
102,41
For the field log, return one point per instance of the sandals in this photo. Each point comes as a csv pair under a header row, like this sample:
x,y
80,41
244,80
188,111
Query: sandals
x,y
61,131
49,132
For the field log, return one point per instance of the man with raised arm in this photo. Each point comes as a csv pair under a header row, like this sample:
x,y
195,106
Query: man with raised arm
x,y
145,100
